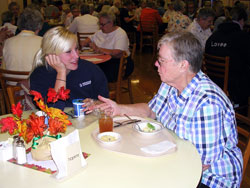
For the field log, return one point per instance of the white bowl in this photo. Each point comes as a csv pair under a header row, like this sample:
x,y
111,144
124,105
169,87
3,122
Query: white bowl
x,y
109,137
145,130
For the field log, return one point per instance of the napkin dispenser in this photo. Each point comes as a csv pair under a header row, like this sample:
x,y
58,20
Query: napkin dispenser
x,y
6,150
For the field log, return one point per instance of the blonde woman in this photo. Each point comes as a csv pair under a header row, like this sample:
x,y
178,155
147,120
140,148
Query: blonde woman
x,y
57,64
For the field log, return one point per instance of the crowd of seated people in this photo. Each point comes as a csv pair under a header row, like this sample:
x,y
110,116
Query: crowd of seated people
x,y
123,16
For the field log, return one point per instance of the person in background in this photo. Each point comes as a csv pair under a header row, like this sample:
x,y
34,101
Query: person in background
x,y
8,20
230,40
138,10
51,11
115,8
160,7
200,26
149,14
191,10
193,107
19,51
4,34
86,23
168,13
126,20
57,65
111,40
15,9
74,12
177,20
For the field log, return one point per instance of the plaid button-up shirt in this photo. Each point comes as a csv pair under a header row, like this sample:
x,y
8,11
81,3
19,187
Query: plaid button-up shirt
x,y
203,115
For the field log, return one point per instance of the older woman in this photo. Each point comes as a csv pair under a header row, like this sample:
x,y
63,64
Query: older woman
x,y
57,65
111,40
177,20
19,51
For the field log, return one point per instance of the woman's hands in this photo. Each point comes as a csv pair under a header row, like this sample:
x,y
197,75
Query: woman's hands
x,y
55,62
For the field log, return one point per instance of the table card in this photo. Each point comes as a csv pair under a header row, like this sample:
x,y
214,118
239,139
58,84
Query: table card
x,y
66,153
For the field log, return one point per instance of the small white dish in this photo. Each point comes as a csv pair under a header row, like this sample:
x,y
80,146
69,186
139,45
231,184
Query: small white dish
x,y
145,130
109,137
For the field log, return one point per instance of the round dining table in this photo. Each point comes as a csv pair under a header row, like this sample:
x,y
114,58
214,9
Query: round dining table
x,y
96,59
110,169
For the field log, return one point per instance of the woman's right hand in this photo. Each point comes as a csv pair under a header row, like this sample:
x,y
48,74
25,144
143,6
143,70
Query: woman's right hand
x,y
55,62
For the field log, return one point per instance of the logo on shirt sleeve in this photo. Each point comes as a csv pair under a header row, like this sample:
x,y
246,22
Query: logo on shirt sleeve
x,y
85,83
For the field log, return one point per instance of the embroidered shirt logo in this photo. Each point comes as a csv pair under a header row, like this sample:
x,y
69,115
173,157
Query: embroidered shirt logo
x,y
85,83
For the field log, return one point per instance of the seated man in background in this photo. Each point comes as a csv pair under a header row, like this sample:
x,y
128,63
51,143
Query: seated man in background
x,y
85,23
15,9
74,12
8,20
200,26
111,40
193,107
230,40
19,51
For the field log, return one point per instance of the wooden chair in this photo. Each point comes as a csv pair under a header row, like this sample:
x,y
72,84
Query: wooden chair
x,y
2,103
81,37
14,94
217,69
243,126
7,76
149,34
117,88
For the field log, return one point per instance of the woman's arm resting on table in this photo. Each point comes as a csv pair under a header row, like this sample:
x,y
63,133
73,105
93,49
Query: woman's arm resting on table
x,y
114,53
139,109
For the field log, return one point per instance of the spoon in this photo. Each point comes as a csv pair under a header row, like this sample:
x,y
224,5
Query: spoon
x,y
134,122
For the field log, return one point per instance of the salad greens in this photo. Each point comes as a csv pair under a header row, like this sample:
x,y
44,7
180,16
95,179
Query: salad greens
x,y
149,125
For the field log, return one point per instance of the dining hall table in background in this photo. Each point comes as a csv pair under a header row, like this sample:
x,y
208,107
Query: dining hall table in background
x,y
110,169
96,59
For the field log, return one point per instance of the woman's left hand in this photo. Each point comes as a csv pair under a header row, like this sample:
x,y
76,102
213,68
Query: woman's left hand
x,y
55,62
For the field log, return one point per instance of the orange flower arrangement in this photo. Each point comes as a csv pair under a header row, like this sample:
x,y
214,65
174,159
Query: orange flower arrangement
x,y
35,126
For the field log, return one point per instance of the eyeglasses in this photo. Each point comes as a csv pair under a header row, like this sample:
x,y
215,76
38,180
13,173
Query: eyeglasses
x,y
103,24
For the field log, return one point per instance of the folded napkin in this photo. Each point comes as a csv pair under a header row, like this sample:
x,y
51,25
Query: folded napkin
x,y
159,148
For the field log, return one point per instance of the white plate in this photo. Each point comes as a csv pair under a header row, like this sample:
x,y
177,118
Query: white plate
x,y
143,125
115,135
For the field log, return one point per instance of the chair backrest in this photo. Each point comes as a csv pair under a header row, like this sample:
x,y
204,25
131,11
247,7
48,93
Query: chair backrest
x,y
10,78
243,126
149,26
116,88
81,37
217,69
14,94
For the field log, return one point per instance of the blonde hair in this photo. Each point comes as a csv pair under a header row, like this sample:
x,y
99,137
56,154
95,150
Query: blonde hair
x,y
55,41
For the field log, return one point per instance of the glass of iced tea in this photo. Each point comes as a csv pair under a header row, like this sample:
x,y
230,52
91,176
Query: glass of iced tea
x,y
105,122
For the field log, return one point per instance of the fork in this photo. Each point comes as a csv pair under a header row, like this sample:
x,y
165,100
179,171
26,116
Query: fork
x,y
138,126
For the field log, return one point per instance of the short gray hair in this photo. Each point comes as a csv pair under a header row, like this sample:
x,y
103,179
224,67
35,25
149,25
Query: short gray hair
x,y
109,16
205,13
30,19
185,46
